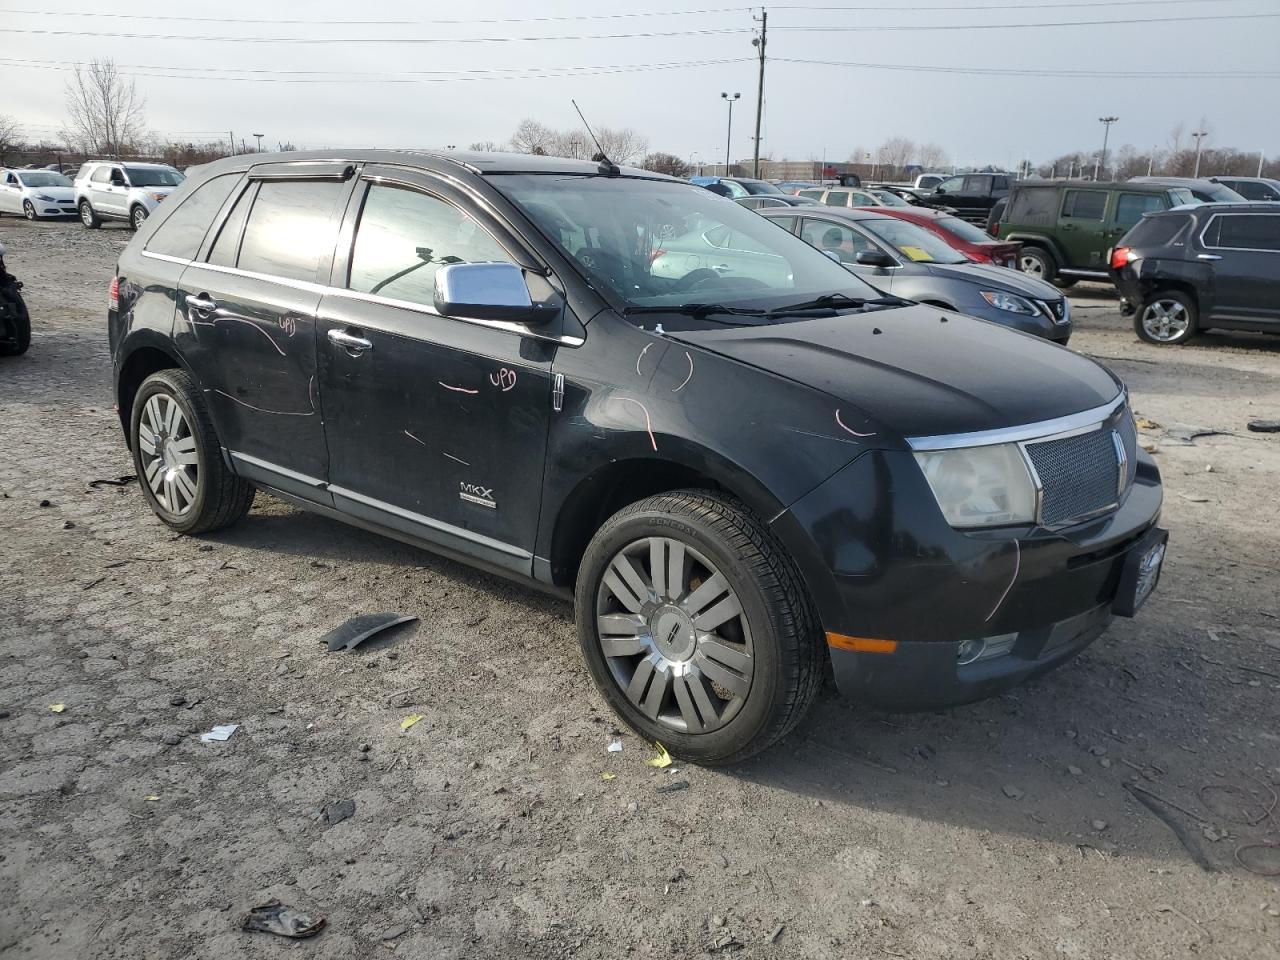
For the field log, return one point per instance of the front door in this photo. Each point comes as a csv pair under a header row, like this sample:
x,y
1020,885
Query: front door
x,y
10,193
844,243
436,427
1081,229
1246,271
248,327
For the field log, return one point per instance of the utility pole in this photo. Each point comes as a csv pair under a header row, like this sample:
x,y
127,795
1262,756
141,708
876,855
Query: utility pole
x,y
758,43
1151,161
1262,155
231,136
1106,132
259,136
1199,135
728,137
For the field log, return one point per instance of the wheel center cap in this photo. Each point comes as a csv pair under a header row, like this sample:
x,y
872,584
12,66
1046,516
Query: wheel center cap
x,y
673,633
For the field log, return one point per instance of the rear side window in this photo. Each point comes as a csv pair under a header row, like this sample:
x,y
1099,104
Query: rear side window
x,y
404,237
836,198
979,186
291,227
1033,206
1249,231
1085,204
1131,206
1251,189
224,247
183,230
1156,231
101,175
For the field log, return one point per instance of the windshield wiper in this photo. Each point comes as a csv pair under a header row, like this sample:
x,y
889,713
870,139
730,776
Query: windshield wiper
x,y
697,310
837,301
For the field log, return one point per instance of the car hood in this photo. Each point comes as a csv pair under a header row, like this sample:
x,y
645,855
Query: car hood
x,y
58,193
997,278
907,370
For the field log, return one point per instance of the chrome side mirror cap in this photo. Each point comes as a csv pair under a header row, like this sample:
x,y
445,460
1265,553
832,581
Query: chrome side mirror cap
x,y
487,291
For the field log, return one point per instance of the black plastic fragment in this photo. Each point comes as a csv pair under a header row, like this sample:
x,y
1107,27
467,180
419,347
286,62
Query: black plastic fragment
x,y
338,811
359,629
121,482
274,917
1264,426
672,787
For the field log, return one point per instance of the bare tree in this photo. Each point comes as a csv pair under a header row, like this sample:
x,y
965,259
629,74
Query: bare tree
x,y
485,146
105,113
8,135
667,163
893,155
622,145
931,156
532,137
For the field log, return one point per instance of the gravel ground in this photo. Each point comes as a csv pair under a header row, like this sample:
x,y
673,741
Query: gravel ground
x,y
1006,829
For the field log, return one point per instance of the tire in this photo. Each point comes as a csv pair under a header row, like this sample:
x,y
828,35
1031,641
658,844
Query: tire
x,y
724,690
1064,283
1038,262
1167,318
191,497
90,219
21,341
29,210
137,216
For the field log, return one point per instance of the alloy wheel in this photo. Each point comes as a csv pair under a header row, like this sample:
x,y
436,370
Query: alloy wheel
x,y
139,215
86,214
170,464
1165,320
1032,265
29,210
674,635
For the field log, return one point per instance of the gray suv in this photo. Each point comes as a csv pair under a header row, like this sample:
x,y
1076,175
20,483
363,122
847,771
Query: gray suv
x,y
111,190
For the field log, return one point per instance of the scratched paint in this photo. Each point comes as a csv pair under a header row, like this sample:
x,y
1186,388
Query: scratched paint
x,y
278,413
1017,565
641,357
449,386
456,459
689,376
412,437
289,325
504,379
648,423
847,430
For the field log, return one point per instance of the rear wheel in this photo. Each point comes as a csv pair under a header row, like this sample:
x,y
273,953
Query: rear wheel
x,y
696,626
1167,318
177,457
1038,263
29,210
88,217
19,324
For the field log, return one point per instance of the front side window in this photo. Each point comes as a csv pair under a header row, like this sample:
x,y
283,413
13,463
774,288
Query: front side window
x,y
291,227
1249,231
154,176
405,237
1131,206
835,238
651,243
736,190
1085,204
978,186
183,230
951,185
913,242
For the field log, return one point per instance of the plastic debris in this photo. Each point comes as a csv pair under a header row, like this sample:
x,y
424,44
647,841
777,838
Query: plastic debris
x,y
275,917
1143,423
120,482
151,798
607,775
338,811
1264,426
615,746
663,759
359,629
673,787
219,733
410,720
57,707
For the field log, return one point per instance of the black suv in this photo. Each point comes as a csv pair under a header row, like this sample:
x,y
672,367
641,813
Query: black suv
x,y
970,195
1215,265
743,468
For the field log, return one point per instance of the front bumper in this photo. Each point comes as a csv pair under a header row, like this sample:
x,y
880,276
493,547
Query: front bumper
x,y
881,563
1043,325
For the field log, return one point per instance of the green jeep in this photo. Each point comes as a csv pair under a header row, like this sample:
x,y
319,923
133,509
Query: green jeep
x,y
1066,227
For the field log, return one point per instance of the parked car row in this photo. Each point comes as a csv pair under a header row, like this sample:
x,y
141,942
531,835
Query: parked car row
x,y
102,190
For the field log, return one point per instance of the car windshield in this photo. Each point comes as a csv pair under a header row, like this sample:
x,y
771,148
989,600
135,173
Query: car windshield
x,y
914,243
154,176
890,199
654,243
964,230
43,178
755,187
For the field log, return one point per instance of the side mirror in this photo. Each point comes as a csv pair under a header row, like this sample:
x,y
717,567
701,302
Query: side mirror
x,y
487,291
117,181
939,190
875,258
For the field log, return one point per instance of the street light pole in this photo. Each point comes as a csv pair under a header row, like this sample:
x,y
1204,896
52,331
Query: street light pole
x,y
1199,135
1106,132
259,136
728,137
758,43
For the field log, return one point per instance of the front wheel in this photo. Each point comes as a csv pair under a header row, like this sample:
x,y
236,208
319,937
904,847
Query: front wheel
x,y
1167,318
177,457
137,216
19,324
88,217
696,626
29,210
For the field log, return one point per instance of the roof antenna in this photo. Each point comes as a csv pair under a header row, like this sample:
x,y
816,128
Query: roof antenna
x,y
607,166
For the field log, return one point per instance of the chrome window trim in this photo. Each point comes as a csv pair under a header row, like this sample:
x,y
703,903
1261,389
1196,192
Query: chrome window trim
x,y
1044,430
1238,213
432,524
318,288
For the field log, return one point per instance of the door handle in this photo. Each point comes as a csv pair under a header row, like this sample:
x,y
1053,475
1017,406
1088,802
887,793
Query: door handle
x,y
201,303
1208,256
350,342
720,267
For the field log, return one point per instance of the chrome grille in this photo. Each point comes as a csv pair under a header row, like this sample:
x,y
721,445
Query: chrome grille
x,y
1128,432
1083,474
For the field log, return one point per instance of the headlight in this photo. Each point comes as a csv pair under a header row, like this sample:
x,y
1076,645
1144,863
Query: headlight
x,y
1011,302
157,197
980,486
41,197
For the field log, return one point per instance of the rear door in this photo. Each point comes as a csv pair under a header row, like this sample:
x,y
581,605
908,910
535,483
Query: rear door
x,y
1082,231
249,308
106,190
436,426
1244,249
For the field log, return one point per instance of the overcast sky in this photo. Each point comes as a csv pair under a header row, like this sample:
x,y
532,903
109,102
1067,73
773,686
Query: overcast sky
x,y
810,110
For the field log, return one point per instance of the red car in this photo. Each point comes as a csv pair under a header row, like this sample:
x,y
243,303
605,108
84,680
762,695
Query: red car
x,y
974,242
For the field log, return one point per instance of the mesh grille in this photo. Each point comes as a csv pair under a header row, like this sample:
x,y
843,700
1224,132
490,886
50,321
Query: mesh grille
x,y
1080,474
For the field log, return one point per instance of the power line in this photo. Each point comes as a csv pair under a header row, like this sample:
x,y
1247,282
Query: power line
x,y
1038,72
715,31
995,6
827,28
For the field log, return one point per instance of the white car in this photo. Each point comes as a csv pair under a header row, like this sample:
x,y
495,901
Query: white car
x,y
112,190
35,194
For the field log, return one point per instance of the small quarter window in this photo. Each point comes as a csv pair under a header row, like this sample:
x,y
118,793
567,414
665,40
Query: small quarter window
x,y
183,230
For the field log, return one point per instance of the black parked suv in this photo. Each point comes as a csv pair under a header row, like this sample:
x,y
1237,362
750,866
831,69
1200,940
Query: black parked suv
x,y
970,195
1215,265
742,471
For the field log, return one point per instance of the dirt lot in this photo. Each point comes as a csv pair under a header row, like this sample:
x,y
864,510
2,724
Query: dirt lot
x,y
1002,830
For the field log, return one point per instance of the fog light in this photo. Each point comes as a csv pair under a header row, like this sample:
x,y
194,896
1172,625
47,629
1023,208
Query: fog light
x,y
998,646
970,650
